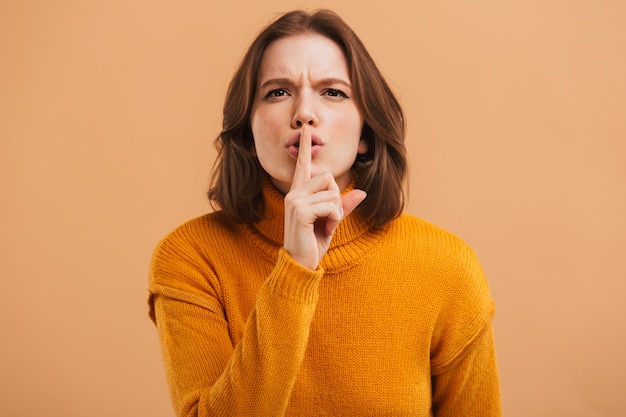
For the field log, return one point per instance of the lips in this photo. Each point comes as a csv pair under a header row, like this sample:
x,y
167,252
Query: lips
x,y
293,144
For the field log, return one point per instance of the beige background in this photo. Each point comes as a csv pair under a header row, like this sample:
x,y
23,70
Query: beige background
x,y
517,129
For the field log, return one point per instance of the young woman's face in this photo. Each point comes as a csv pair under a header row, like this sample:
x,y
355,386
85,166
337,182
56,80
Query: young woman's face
x,y
304,79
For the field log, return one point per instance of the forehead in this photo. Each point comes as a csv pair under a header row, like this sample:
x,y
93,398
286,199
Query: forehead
x,y
313,55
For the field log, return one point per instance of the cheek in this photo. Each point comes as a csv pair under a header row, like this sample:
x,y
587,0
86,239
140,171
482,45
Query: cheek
x,y
348,121
255,118
258,127
353,126
264,123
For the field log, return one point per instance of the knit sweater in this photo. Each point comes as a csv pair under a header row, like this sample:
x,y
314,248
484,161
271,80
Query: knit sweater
x,y
394,322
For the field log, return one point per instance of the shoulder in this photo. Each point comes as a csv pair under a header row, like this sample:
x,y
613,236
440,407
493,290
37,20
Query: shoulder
x,y
432,241
183,262
199,230
187,258
450,267
190,242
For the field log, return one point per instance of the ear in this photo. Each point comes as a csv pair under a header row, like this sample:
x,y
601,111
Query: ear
x,y
363,148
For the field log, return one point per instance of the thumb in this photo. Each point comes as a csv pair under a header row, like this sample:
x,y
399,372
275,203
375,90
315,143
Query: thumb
x,y
348,203
351,200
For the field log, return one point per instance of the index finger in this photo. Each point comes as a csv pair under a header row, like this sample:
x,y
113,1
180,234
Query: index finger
x,y
302,171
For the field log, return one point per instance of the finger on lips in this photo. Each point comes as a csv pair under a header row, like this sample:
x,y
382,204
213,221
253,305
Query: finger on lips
x,y
302,171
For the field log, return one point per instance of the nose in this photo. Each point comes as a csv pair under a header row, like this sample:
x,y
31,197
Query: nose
x,y
299,122
304,112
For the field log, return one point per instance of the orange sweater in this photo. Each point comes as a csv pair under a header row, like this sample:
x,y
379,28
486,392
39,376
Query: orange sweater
x,y
393,323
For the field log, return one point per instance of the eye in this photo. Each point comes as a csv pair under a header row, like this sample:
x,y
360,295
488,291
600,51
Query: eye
x,y
333,92
279,92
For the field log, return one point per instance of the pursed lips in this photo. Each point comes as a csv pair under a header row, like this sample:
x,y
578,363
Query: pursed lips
x,y
294,144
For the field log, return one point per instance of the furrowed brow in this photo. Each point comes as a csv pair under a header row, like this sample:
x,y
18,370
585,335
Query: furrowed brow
x,y
289,82
333,81
276,81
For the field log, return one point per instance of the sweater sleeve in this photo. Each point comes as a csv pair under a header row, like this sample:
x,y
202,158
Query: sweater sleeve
x,y
471,388
207,375
463,362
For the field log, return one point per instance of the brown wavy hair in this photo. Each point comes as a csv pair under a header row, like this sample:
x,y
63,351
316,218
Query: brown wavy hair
x,y
237,174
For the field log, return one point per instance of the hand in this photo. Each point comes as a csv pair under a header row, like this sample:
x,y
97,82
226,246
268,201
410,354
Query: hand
x,y
313,208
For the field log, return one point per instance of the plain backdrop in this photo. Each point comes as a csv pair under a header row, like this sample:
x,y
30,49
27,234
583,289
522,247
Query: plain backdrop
x,y
517,140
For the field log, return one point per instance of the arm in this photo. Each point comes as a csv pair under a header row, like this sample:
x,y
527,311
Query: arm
x,y
208,376
470,386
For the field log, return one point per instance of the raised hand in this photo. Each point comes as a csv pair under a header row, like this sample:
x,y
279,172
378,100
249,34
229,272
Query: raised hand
x,y
313,208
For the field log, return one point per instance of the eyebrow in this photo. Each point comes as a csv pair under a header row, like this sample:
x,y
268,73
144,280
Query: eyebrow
x,y
323,81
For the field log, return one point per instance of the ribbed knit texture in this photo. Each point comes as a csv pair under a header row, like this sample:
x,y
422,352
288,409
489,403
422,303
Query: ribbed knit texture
x,y
393,323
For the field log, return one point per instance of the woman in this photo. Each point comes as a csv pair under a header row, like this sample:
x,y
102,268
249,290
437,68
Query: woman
x,y
309,292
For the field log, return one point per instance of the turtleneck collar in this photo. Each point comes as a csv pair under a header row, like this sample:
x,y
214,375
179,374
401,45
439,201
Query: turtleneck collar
x,y
351,241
